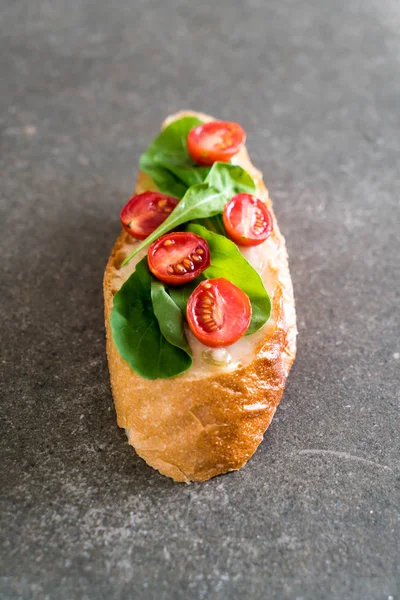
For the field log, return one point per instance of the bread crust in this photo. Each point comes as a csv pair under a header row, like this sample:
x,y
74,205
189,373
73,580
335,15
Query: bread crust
x,y
192,428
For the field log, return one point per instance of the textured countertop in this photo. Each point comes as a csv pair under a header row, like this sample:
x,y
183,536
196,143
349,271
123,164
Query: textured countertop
x,y
84,88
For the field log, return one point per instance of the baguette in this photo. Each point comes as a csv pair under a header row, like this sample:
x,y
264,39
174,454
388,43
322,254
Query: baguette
x,y
208,420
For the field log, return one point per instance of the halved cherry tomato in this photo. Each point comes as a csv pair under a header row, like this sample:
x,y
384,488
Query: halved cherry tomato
x,y
218,312
145,212
217,140
247,220
179,257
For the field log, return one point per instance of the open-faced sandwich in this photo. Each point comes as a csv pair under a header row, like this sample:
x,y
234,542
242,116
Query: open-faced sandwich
x,y
199,308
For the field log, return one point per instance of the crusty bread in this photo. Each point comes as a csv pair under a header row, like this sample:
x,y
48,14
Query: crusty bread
x,y
193,427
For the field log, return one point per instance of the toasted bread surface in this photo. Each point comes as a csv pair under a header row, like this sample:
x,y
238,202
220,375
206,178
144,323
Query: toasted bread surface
x,y
206,422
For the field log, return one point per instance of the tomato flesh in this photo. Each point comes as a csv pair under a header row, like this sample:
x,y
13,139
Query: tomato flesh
x,y
179,257
215,141
218,312
247,220
145,212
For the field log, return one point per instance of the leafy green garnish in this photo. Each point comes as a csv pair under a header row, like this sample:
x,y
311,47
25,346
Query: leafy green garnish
x,y
169,315
136,330
204,200
214,224
167,160
227,261
180,294
230,180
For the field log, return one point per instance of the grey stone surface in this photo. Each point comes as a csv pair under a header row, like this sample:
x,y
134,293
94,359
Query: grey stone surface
x,y
84,87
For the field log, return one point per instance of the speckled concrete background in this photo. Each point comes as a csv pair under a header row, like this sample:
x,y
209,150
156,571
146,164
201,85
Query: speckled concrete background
x,y
84,87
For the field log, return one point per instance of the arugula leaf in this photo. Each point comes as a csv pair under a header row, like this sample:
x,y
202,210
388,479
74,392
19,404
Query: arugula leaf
x,y
170,145
169,316
203,200
215,224
189,175
180,294
136,331
230,179
165,181
167,160
227,261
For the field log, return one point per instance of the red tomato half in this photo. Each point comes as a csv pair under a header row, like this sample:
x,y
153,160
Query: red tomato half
x,y
177,258
217,140
218,312
145,212
247,220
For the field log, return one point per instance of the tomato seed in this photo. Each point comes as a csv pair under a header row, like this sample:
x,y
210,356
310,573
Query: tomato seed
x,y
188,263
179,268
